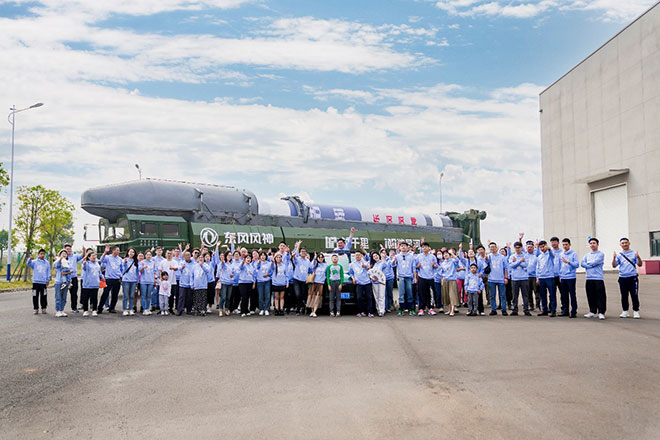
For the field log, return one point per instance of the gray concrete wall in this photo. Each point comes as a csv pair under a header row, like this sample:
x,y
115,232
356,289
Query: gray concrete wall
x,y
605,114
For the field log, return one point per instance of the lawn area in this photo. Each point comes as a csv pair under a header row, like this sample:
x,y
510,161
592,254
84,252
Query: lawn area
x,y
5,285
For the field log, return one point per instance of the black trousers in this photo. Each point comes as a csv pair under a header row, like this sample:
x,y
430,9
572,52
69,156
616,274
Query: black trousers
x,y
629,286
596,296
174,295
480,302
73,290
424,289
300,290
235,297
415,293
39,296
254,299
365,297
508,290
185,299
534,296
558,286
244,289
89,297
568,293
112,288
210,293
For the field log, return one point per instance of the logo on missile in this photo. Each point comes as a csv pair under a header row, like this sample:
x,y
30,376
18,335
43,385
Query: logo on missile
x,y
208,236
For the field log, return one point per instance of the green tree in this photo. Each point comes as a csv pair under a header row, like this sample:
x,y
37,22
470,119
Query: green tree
x,y
4,238
39,209
56,227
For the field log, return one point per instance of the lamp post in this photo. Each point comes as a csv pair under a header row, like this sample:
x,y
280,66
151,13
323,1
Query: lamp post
x,y
441,176
11,118
139,170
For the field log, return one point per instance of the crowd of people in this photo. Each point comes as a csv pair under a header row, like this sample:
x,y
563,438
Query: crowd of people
x,y
284,281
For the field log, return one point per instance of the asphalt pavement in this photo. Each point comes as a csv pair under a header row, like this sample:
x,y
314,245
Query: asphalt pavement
x,y
297,377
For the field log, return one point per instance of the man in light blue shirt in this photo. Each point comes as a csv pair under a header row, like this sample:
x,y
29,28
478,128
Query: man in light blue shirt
x,y
358,271
344,247
628,261
497,279
185,284
530,256
595,284
41,276
545,278
404,262
569,262
519,278
426,265
112,265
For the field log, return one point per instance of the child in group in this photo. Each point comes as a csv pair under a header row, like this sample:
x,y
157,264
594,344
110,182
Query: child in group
x,y
62,282
164,293
474,285
335,278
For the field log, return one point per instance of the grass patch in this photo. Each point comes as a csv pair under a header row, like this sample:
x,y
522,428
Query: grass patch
x,y
9,285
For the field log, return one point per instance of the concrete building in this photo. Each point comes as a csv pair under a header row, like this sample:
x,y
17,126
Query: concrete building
x,y
600,138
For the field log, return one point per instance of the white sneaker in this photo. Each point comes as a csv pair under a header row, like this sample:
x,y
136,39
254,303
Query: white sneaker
x,y
636,315
43,311
252,312
601,316
166,313
85,314
63,314
243,315
58,314
220,314
144,313
95,313
125,313
267,313
590,315
261,313
624,314
131,312
36,312
208,310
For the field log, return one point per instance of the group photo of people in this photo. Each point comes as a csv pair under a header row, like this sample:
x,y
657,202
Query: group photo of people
x,y
521,278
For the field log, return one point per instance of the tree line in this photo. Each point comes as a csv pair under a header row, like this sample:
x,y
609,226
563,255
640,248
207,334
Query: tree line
x,y
43,219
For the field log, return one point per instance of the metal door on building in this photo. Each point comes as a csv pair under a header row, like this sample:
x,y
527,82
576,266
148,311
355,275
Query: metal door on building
x,y
610,211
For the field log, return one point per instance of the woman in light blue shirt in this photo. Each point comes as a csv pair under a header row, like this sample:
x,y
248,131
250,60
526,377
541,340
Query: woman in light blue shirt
x,y
62,282
264,275
147,269
315,295
129,280
247,279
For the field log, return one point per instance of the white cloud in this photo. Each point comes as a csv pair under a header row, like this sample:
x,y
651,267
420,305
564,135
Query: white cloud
x,y
612,10
88,135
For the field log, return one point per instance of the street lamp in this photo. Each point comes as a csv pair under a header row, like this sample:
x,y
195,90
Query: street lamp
x,y
11,118
441,176
139,170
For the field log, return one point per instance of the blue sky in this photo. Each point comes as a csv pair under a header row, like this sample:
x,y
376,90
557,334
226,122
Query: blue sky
x,y
363,103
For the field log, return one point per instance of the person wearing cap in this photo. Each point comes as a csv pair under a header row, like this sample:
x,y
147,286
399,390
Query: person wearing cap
x,y
627,261
530,256
497,279
545,278
405,262
569,263
556,251
595,284
519,279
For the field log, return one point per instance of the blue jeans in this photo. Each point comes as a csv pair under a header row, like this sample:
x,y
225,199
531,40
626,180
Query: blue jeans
x,y
263,288
225,292
128,292
405,293
438,294
60,296
154,295
494,286
146,290
389,288
547,287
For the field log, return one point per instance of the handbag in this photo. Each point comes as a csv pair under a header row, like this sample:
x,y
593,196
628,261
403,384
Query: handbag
x,y
103,284
310,278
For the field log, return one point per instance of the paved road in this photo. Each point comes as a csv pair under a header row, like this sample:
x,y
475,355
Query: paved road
x,y
295,377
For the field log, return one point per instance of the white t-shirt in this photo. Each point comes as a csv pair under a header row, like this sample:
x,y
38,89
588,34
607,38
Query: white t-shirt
x,y
165,288
165,266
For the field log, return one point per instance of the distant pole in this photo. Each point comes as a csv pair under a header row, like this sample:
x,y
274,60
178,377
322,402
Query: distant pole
x,y
441,176
139,170
12,115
